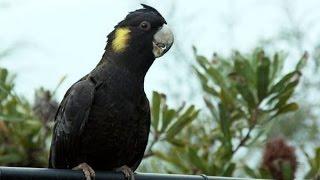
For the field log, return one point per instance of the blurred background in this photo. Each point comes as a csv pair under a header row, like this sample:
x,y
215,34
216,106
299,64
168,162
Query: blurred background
x,y
45,46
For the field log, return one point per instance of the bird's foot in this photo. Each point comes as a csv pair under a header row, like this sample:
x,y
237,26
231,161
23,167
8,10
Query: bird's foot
x,y
87,170
128,173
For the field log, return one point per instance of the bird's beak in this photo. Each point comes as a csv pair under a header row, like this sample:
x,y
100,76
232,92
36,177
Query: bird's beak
x,y
162,41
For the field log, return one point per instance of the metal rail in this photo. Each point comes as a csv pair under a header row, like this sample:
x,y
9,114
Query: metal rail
x,y
19,173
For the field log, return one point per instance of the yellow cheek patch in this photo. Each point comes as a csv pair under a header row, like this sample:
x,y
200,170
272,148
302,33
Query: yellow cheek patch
x,y
120,41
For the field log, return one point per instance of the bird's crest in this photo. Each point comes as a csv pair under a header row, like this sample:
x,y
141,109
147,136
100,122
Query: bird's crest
x,y
151,9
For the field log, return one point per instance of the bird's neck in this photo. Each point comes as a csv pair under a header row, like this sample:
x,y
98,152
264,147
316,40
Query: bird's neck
x,y
137,63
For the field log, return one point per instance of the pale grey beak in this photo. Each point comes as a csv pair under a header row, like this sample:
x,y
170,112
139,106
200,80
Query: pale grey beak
x,y
162,41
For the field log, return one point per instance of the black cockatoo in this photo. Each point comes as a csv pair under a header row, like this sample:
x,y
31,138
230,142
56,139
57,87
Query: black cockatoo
x,y
103,120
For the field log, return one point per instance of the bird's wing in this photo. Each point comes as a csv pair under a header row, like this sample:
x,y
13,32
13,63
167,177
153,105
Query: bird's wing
x,y
71,118
143,136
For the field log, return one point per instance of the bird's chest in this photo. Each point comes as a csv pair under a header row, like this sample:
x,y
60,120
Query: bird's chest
x,y
120,106
117,118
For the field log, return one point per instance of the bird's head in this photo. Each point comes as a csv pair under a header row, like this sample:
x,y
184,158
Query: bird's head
x,y
143,32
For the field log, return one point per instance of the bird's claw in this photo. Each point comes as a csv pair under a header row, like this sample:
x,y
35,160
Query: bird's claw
x,y
127,172
87,170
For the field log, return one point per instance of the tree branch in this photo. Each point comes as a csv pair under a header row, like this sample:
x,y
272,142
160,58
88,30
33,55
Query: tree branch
x,y
243,140
149,151
253,122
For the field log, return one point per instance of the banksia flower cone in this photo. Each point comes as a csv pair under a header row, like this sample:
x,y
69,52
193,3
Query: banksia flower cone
x,y
279,159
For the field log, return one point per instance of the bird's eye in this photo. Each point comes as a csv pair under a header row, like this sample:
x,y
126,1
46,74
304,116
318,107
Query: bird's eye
x,y
145,25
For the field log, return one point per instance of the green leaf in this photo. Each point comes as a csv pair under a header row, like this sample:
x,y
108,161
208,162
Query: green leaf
x,y
302,62
204,83
275,66
284,96
10,159
229,170
225,124
213,168
202,61
283,82
287,171
210,90
188,116
247,95
284,92
172,159
11,118
201,76
264,174
244,68
216,76
167,117
3,75
155,110
197,161
263,78
226,98
176,142
250,172
211,108
288,108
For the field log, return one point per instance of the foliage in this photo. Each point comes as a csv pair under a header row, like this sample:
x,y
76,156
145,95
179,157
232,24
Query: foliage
x,y
168,122
242,94
314,162
22,135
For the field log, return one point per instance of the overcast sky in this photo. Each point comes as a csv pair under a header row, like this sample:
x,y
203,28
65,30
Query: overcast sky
x,y
62,37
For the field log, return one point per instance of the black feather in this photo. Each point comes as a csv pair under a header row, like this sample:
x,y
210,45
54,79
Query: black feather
x,y
104,119
151,9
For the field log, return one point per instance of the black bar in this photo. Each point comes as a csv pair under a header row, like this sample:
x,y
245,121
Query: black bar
x,y
18,173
